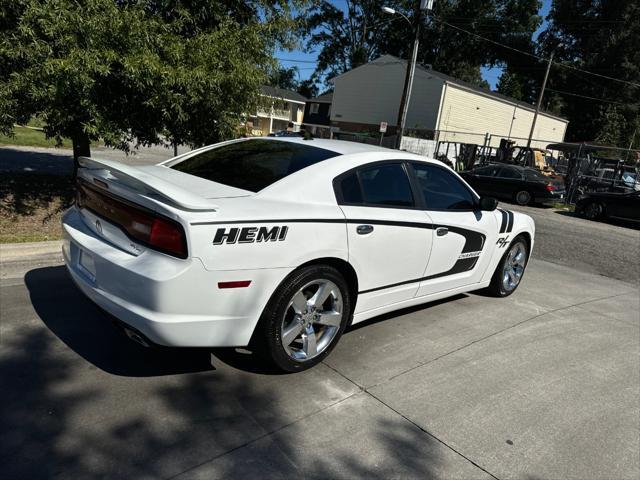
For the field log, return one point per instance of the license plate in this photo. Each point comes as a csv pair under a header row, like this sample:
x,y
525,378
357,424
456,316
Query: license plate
x,y
561,197
88,264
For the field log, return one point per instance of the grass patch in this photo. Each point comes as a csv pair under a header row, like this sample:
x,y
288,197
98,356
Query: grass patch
x,y
30,137
31,206
563,206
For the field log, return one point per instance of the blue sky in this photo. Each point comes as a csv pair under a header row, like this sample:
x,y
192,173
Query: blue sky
x,y
306,61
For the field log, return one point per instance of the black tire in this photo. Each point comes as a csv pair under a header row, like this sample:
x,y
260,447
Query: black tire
x,y
268,336
497,288
523,197
593,211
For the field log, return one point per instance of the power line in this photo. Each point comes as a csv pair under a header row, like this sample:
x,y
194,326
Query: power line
x,y
585,96
296,61
534,56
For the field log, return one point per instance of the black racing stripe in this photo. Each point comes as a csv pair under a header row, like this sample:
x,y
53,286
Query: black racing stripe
x,y
503,225
474,241
393,223
510,225
406,282
461,266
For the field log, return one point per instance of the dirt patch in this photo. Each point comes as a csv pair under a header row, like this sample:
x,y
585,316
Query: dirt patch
x,y
31,206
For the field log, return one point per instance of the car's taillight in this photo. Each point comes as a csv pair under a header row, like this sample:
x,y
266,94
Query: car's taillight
x,y
551,187
168,236
140,224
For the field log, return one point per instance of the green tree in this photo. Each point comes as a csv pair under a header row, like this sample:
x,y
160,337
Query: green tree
x,y
151,71
284,77
612,127
363,32
601,37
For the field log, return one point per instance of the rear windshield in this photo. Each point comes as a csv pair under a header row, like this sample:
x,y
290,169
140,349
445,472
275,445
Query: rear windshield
x,y
253,164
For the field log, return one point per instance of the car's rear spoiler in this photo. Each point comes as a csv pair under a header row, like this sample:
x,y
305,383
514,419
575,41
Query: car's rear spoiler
x,y
146,184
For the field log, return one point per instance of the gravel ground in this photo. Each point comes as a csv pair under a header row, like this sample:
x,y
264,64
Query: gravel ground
x,y
608,249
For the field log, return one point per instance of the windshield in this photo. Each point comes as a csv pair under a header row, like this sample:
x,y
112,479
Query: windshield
x,y
252,164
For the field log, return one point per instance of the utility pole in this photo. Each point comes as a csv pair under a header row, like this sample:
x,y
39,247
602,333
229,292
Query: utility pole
x,y
421,5
544,85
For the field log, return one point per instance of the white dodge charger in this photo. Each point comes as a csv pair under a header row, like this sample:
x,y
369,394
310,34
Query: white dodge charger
x,y
281,243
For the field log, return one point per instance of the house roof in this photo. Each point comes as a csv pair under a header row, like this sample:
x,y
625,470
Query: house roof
x,y
326,98
390,59
277,92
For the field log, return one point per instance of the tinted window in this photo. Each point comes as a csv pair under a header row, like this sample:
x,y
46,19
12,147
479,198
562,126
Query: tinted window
x,y
442,190
509,173
489,171
253,164
386,185
350,188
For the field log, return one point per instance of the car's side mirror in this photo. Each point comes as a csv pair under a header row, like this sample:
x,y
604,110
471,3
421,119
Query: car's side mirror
x,y
488,203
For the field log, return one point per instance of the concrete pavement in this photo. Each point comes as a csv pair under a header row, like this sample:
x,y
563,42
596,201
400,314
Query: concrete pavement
x,y
610,248
542,384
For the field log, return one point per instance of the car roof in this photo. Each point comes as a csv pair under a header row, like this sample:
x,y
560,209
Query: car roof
x,y
341,147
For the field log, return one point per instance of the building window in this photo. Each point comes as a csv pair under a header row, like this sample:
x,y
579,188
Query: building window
x,y
315,107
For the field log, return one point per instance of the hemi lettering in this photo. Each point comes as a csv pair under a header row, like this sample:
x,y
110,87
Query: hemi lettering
x,y
268,235
283,233
223,236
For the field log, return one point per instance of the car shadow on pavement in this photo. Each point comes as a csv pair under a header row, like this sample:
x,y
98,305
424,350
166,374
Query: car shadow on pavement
x,y
404,311
91,333
62,419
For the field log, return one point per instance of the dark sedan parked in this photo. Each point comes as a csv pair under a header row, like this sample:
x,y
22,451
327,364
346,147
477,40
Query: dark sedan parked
x,y
522,185
600,205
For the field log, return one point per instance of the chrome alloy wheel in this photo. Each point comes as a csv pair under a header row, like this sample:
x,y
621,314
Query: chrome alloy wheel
x,y
514,266
312,319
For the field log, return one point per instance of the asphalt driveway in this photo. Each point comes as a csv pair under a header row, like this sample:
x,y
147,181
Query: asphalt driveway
x,y
543,384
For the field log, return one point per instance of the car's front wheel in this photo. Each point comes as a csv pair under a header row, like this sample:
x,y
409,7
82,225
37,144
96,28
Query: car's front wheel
x,y
305,318
511,268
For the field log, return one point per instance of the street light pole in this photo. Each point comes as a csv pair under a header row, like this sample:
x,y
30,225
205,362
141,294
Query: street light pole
x,y
535,115
411,65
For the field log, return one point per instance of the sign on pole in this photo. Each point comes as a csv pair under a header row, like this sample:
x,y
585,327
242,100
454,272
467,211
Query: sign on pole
x,y
383,127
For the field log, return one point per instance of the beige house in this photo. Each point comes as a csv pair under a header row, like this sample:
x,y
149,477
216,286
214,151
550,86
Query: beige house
x,y
280,109
455,110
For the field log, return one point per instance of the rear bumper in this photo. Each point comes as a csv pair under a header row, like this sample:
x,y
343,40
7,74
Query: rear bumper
x,y
171,301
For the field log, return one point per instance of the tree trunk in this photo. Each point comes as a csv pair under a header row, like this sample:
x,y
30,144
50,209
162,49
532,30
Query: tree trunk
x,y
81,148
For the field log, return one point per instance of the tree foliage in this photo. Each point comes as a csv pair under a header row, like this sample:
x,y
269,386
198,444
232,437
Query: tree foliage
x,y
151,71
288,78
364,32
602,37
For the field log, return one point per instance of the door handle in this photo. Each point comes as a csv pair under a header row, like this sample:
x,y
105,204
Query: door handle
x,y
364,229
442,231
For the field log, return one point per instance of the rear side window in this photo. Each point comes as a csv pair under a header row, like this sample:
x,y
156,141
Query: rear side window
x,y
510,173
350,188
384,185
486,171
253,164
441,189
